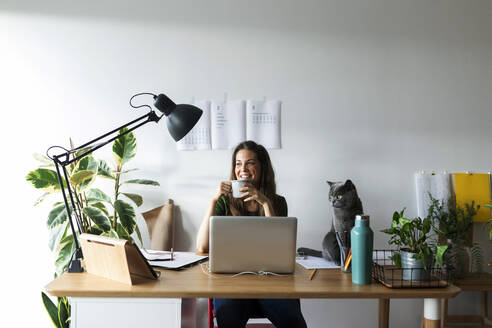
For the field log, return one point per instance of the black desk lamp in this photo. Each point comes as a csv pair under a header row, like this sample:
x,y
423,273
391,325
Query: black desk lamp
x,y
180,120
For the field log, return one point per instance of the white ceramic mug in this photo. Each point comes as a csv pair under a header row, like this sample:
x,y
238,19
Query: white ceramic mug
x,y
236,185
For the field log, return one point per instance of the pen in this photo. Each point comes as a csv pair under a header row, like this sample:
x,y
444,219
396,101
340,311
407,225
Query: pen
x,y
312,274
160,260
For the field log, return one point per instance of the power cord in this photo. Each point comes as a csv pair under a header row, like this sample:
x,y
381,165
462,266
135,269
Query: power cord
x,y
259,273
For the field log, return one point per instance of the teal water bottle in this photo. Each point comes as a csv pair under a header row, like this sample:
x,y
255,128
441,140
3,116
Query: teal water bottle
x,y
361,237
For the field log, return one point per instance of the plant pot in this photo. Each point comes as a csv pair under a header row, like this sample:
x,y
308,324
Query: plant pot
x,y
413,269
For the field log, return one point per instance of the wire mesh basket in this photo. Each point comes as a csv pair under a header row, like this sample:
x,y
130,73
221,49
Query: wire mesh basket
x,y
385,271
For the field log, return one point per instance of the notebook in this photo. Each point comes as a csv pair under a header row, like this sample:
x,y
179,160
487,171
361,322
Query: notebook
x,y
252,243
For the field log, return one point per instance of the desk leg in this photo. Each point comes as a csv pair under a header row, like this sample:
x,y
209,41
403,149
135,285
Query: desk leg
x,y
432,315
486,322
384,306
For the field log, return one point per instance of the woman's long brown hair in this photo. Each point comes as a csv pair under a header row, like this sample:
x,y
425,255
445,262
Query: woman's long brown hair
x,y
266,185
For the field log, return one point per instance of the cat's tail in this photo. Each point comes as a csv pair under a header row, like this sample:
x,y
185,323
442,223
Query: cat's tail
x,y
309,251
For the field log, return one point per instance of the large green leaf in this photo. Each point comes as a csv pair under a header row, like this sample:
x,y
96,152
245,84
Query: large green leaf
x,y
41,198
97,195
64,312
57,215
122,233
102,207
44,179
441,249
43,159
94,230
64,253
139,235
137,199
81,176
104,170
51,309
56,234
125,147
87,163
111,234
127,215
98,217
143,181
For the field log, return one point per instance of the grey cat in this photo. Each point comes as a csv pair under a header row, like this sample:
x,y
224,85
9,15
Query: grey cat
x,y
346,205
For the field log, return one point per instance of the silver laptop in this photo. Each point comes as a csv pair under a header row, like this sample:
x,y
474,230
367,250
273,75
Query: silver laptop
x,y
252,243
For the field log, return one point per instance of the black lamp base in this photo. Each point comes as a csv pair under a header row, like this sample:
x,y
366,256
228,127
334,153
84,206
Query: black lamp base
x,y
75,265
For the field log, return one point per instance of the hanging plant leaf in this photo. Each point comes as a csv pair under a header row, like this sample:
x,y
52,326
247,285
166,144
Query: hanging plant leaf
x,y
104,170
137,199
87,163
127,215
98,217
51,309
81,176
64,253
44,179
125,147
143,182
57,215
97,195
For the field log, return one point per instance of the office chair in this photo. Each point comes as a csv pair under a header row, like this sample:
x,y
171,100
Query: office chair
x,y
211,316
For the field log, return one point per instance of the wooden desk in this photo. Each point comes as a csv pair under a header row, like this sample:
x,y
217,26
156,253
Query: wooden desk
x,y
193,283
481,282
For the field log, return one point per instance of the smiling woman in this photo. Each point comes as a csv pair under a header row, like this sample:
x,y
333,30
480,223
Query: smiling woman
x,y
251,162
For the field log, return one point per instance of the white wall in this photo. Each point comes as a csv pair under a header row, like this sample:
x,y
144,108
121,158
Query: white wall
x,y
372,91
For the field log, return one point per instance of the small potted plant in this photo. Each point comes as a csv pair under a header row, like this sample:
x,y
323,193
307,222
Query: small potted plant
x,y
414,254
452,224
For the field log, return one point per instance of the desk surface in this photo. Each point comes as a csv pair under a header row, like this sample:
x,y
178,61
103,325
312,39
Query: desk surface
x,y
193,283
475,282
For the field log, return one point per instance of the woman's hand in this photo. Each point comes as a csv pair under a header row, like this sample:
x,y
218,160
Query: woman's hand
x,y
224,188
252,193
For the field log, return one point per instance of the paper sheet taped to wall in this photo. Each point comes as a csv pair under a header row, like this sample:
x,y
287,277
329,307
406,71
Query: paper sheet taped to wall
x,y
473,187
223,125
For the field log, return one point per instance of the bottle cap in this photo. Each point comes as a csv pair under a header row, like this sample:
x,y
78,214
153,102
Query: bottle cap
x,y
362,217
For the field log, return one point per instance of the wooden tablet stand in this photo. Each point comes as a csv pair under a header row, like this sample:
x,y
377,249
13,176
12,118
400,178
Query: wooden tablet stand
x,y
115,259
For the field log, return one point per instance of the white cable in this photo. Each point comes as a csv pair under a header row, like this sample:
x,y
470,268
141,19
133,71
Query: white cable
x,y
259,273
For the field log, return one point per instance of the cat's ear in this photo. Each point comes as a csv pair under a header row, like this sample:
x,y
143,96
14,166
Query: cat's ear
x,y
330,183
349,183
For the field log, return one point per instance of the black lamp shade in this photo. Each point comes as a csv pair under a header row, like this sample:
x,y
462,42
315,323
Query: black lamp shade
x,y
182,119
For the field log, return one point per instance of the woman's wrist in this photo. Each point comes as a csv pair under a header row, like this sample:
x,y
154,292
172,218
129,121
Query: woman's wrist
x,y
267,204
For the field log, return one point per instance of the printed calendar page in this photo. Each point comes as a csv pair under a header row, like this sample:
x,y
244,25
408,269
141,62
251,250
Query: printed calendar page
x,y
199,137
263,122
223,125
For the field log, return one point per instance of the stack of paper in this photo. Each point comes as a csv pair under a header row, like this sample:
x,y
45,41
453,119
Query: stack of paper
x,y
163,258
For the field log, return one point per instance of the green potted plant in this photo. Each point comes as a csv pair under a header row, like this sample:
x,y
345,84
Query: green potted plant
x,y
414,255
452,225
489,223
100,214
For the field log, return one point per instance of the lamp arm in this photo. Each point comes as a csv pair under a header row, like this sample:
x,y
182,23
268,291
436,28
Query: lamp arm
x,y
67,207
150,116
